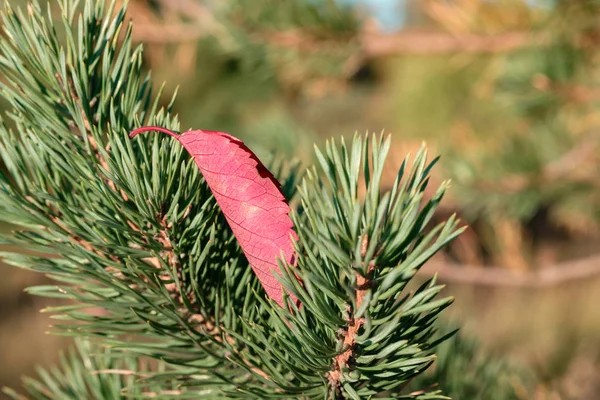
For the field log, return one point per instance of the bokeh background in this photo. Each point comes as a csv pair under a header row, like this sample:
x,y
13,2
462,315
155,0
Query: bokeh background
x,y
506,91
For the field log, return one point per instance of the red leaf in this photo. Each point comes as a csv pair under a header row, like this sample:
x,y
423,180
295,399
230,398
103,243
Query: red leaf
x,y
250,198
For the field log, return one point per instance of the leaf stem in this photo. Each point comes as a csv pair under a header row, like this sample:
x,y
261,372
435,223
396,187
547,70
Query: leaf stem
x,y
137,131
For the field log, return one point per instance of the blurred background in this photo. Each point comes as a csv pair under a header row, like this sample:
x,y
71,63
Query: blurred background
x,y
506,91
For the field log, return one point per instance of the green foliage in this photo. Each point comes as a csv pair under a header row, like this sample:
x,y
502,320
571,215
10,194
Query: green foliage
x,y
133,230
91,372
297,44
518,128
253,63
466,371
326,18
358,257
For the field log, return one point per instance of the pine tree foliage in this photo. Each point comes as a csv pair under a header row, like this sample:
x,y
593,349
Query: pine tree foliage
x,y
321,18
466,371
131,229
518,128
546,159
91,372
301,44
462,369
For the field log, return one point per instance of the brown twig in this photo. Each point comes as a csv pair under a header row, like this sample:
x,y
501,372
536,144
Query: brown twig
x,y
172,259
373,44
198,321
345,359
428,43
172,33
568,167
204,24
555,275
570,163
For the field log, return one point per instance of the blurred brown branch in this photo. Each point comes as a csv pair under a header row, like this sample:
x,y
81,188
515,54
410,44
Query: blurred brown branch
x,y
423,42
189,8
373,44
570,167
152,29
169,33
554,275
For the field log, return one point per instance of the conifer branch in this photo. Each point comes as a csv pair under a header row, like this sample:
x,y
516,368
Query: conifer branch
x,y
136,232
345,360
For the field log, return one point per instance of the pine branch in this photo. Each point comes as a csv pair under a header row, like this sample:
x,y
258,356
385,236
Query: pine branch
x,y
90,372
72,186
466,371
136,232
358,331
